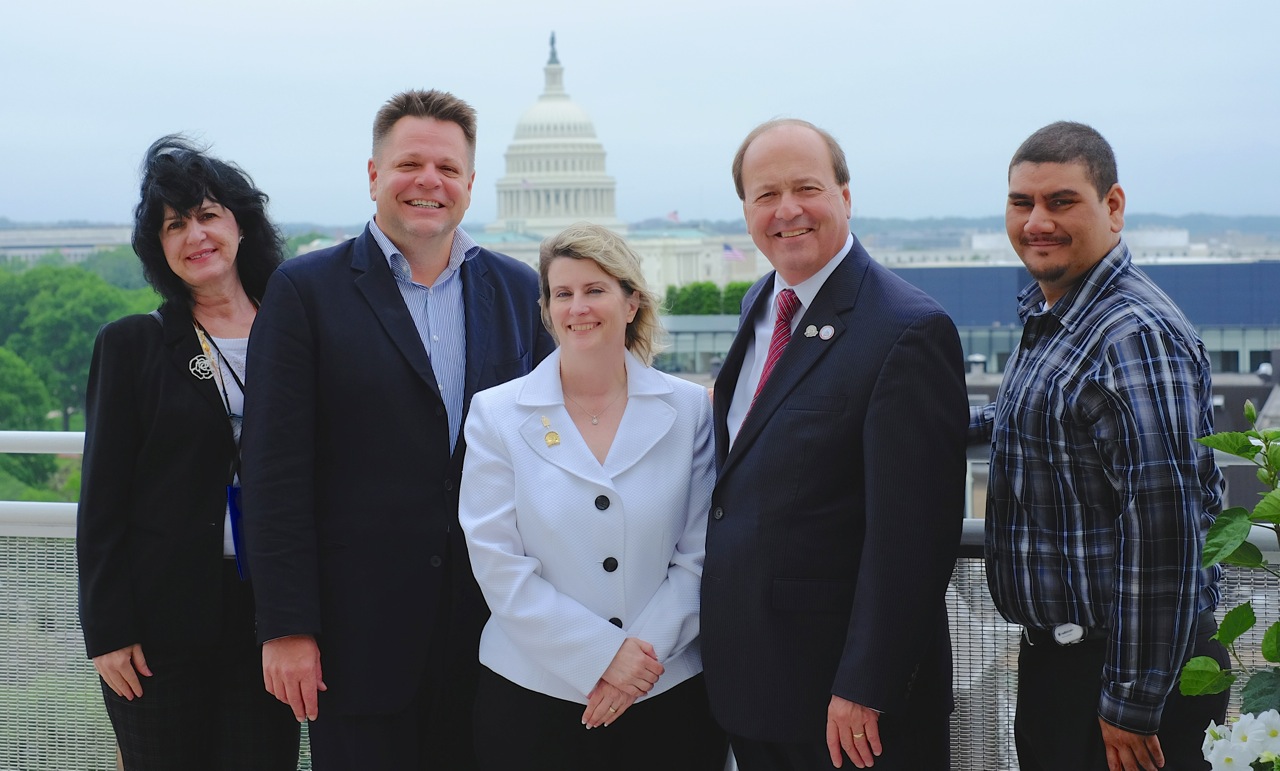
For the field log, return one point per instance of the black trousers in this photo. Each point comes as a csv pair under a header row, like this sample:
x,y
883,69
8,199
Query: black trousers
x,y
520,730
1056,728
207,709
920,742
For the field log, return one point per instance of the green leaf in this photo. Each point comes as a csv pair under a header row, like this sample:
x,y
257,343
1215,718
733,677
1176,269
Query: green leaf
x,y
1228,531
1250,412
1202,676
1238,620
1246,555
1272,434
1231,442
1273,456
1268,509
1271,643
1262,692
1264,476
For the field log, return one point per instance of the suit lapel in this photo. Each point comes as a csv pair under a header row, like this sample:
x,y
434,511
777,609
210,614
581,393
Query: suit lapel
x,y
477,308
647,419
830,308
374,280
731,369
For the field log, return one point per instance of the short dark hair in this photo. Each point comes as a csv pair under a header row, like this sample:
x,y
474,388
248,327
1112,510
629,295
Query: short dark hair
x,y
440,105
839,165
1069,142
178,175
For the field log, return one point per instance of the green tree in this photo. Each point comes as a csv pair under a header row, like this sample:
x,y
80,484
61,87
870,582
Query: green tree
x,y
119,267
56,336
673,295
734,291
701,298
292,243
24,404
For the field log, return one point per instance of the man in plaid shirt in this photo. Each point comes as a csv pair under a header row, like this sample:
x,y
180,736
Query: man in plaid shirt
x,y
1099,496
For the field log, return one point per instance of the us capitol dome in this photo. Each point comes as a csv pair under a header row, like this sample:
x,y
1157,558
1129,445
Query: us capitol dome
x,y
555,174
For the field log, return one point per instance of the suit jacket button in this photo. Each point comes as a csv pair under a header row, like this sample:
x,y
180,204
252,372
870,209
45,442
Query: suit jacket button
x,y
436,562
616,622
448,484
610,564
602,502
718,513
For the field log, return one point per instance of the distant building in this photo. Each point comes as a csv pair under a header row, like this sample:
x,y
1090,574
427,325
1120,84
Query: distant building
x,y
73,243
555,176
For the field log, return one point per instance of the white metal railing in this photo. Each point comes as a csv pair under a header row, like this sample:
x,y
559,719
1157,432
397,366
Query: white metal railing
x,y
51,714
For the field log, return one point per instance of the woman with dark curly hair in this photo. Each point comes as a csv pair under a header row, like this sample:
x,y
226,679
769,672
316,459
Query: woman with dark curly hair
x,y
167,613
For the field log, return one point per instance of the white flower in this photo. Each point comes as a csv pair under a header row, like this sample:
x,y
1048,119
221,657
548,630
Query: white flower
x,y
1212,735
1248,734
1225,756
1267,730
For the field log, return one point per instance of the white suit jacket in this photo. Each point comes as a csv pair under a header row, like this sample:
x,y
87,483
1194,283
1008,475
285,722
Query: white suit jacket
x,y
573,556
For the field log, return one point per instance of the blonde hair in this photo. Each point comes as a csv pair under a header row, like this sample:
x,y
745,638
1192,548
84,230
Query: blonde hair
x,y
585,241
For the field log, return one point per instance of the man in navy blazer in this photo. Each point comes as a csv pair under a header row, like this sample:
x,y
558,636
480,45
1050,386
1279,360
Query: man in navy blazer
x,y
836,516
365,356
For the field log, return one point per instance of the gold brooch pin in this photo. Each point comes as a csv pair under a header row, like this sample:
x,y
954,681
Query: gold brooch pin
x,y
552,437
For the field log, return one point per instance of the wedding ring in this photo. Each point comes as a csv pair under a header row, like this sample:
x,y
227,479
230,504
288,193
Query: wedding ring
x,y
858,736
611,709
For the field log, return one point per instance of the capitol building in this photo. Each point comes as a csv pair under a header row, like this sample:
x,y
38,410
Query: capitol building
x,y
556,176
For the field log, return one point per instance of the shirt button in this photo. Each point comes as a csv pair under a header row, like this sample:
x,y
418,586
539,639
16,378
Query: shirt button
x,y
718,513
436,561
610,565
435,338
602,502
616,622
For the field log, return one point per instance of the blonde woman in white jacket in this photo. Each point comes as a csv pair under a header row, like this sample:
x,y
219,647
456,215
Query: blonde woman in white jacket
x,y
584,502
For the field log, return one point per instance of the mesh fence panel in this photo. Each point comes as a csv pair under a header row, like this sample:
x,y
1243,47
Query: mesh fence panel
x,y
52,719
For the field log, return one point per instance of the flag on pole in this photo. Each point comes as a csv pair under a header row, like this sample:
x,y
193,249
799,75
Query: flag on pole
x,y
674,216
732,255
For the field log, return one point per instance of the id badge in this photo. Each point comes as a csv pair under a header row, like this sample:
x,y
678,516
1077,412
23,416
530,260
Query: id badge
x,y
237,532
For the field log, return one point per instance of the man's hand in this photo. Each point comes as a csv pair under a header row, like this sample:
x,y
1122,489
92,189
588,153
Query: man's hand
x,y
855,729
1127,751
291,673
119,669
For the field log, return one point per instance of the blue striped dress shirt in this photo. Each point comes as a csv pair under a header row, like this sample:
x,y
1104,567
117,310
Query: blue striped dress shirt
x,y
438,314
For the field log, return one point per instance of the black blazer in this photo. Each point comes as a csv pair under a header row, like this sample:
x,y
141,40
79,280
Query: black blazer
x,y
350,490
836,517
157,459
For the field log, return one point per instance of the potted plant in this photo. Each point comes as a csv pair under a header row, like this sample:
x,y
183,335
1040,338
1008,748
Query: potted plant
x,y
1253,740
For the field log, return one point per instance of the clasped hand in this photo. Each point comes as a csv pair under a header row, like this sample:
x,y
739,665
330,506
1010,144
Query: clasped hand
x,y
632,673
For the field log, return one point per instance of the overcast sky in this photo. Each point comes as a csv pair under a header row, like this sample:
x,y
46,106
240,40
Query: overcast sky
x,y
929,99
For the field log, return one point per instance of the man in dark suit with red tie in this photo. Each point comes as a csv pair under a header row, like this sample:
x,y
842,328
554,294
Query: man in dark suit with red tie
x,y
840,418
364,359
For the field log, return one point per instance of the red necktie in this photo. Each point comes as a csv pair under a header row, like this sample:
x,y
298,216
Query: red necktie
x,y
787,304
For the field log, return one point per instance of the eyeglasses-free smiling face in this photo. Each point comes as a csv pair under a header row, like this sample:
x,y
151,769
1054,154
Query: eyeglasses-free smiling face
x,y
796,213
1058,224
589,309
201,245
420,177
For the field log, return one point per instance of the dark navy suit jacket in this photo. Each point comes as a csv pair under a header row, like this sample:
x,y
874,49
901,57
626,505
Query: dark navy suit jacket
x,y
350,489
836,517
